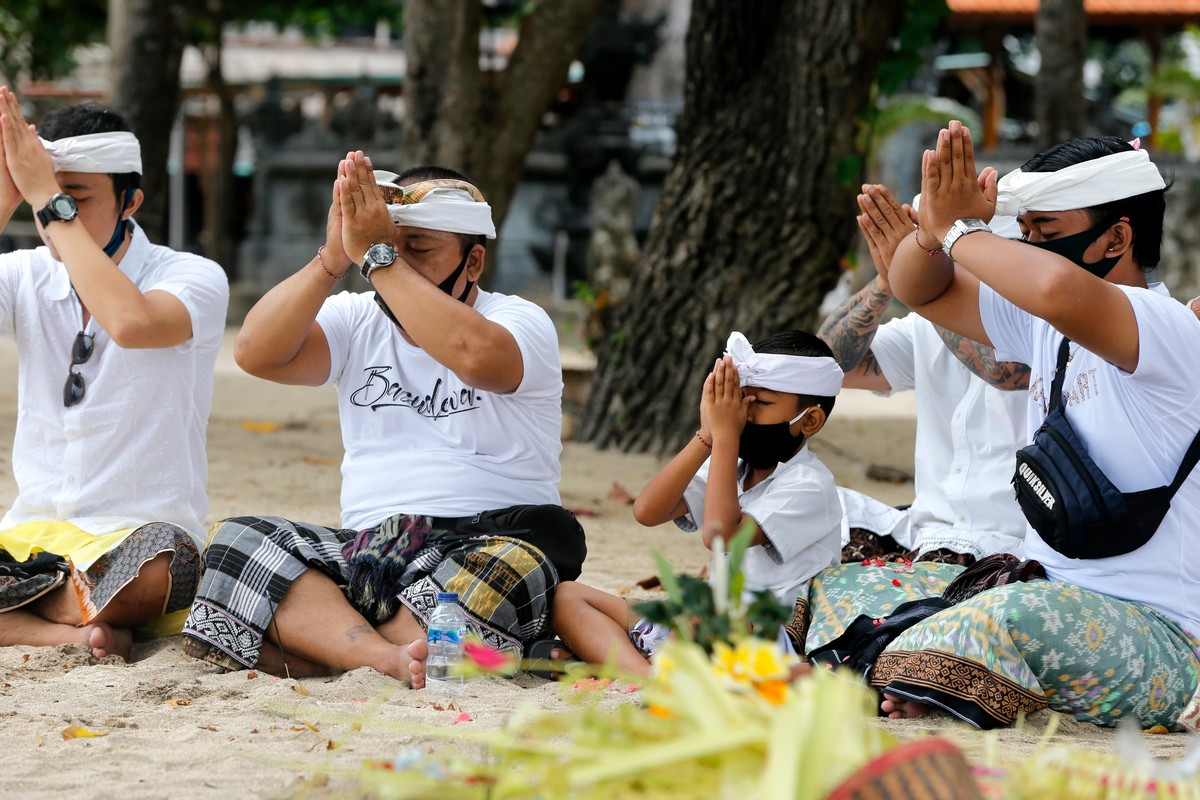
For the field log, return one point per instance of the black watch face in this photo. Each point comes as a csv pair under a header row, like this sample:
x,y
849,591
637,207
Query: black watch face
x,y
63,206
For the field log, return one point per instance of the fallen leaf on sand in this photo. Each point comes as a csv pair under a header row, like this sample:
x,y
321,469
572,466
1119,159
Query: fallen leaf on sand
x,y
25,656
40,741
462,717
331,745
320,461
301,689
1157,729
305,726
620,495
260,426
206,728
76,732
176,702
251,675
653,582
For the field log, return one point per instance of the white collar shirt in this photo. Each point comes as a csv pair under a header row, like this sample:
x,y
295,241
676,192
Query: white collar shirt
x,y
967,435
132,451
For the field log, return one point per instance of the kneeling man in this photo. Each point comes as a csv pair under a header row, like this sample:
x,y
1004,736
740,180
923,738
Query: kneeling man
x,y
450,406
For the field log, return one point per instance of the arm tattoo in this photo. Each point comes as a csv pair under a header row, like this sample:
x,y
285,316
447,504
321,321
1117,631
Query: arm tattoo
x,y
850,329
981,360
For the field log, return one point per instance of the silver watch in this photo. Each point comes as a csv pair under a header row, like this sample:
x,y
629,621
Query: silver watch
x,y
378,255
960,228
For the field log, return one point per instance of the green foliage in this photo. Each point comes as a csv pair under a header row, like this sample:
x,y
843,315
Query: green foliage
x,y
38,37
691,608
920,18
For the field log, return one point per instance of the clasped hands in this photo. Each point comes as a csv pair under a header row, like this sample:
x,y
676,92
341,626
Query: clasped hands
x,y
26,168
723,405
950,187
358,215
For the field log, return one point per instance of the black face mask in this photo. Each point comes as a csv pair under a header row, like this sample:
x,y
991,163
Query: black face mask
x,y
1074,246
764,446
446,286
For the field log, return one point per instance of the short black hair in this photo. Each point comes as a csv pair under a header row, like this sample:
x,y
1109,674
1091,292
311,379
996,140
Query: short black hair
x,y
430,172
86,118
1145,211
799,343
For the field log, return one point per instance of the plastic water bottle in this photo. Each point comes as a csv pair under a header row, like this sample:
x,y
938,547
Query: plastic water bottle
x,y
447,629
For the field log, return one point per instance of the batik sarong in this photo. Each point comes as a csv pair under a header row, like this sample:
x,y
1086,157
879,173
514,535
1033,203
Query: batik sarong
x,y
503,584
96,568
838,595
1025,646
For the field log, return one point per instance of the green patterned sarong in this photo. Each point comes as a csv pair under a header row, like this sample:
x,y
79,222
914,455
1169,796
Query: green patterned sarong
x,y
1015,648
1022,647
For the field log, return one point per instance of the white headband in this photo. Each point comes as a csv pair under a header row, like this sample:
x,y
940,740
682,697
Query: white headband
x,y
1082,185
106,153
441,209
812,375
1001,225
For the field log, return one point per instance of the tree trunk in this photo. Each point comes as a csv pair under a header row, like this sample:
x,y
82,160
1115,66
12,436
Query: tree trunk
x,y
483,123
1061,32
756,211
147,50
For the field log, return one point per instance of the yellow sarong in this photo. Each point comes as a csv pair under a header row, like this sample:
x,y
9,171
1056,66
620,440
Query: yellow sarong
x,y
82,550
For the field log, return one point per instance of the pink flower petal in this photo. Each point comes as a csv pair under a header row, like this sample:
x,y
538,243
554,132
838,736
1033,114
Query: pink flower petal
x,y
462,717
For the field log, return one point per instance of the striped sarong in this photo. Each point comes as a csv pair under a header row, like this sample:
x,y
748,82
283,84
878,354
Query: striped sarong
x,y
503,584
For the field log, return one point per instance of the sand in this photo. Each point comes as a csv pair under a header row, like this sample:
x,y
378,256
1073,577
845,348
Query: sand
x,y
174,727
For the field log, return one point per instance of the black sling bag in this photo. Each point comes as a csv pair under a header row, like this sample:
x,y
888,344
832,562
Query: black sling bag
x,y
1069,501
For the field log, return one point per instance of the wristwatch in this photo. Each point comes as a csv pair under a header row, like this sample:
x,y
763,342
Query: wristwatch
x,y
960,228
378,255
59,208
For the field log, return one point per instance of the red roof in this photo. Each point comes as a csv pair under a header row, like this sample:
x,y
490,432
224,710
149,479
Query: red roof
x,y
1104,12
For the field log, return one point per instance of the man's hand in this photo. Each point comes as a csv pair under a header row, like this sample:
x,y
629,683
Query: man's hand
x,y
335,257
884,223
364,214
950,187
29,169
726,411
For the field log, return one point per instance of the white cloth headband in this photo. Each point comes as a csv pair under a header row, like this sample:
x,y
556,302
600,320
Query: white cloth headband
x,y
1000,225
114,153
442,209
1082,185
811,375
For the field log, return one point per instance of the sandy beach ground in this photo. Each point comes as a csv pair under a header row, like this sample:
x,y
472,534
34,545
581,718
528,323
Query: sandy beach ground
x,y
178,728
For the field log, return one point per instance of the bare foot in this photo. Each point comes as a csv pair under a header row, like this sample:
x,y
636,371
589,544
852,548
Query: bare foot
x,y
901,708
107,641
417,651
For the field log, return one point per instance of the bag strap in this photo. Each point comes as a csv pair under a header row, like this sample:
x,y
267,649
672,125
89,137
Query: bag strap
x,y
1060,374
1190,458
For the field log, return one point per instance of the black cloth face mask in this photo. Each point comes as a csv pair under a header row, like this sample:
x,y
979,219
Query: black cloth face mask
x,y
1074,246
764,446
446,286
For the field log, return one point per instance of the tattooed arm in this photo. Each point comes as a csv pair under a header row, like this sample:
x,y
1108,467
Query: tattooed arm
x,y
981,360
849,331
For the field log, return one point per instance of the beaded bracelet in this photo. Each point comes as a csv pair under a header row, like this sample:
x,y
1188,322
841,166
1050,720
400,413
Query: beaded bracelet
x,y
701,438
324,268
917,239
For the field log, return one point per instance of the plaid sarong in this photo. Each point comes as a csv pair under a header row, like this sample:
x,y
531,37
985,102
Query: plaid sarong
x,y
503,584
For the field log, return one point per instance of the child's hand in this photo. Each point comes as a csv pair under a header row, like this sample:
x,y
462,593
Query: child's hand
x,y
726,412
706,432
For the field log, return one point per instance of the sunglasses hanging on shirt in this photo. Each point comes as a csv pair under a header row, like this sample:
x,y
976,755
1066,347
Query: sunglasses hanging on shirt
x,y
81,351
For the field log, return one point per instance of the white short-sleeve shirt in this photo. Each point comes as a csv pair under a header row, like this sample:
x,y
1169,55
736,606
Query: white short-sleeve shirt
x,y
797,509
1136,427
133,450
967,437
418,439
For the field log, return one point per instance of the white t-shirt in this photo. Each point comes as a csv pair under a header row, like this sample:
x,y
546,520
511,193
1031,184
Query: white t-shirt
x,y
967,437
420,441
1136,427
798,510
132,451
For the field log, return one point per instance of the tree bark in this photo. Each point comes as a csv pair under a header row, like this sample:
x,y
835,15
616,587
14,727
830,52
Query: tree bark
x,y
1061,31
483,123
147,52
753,217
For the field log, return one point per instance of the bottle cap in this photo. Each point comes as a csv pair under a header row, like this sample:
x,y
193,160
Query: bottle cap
x,y
447,597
